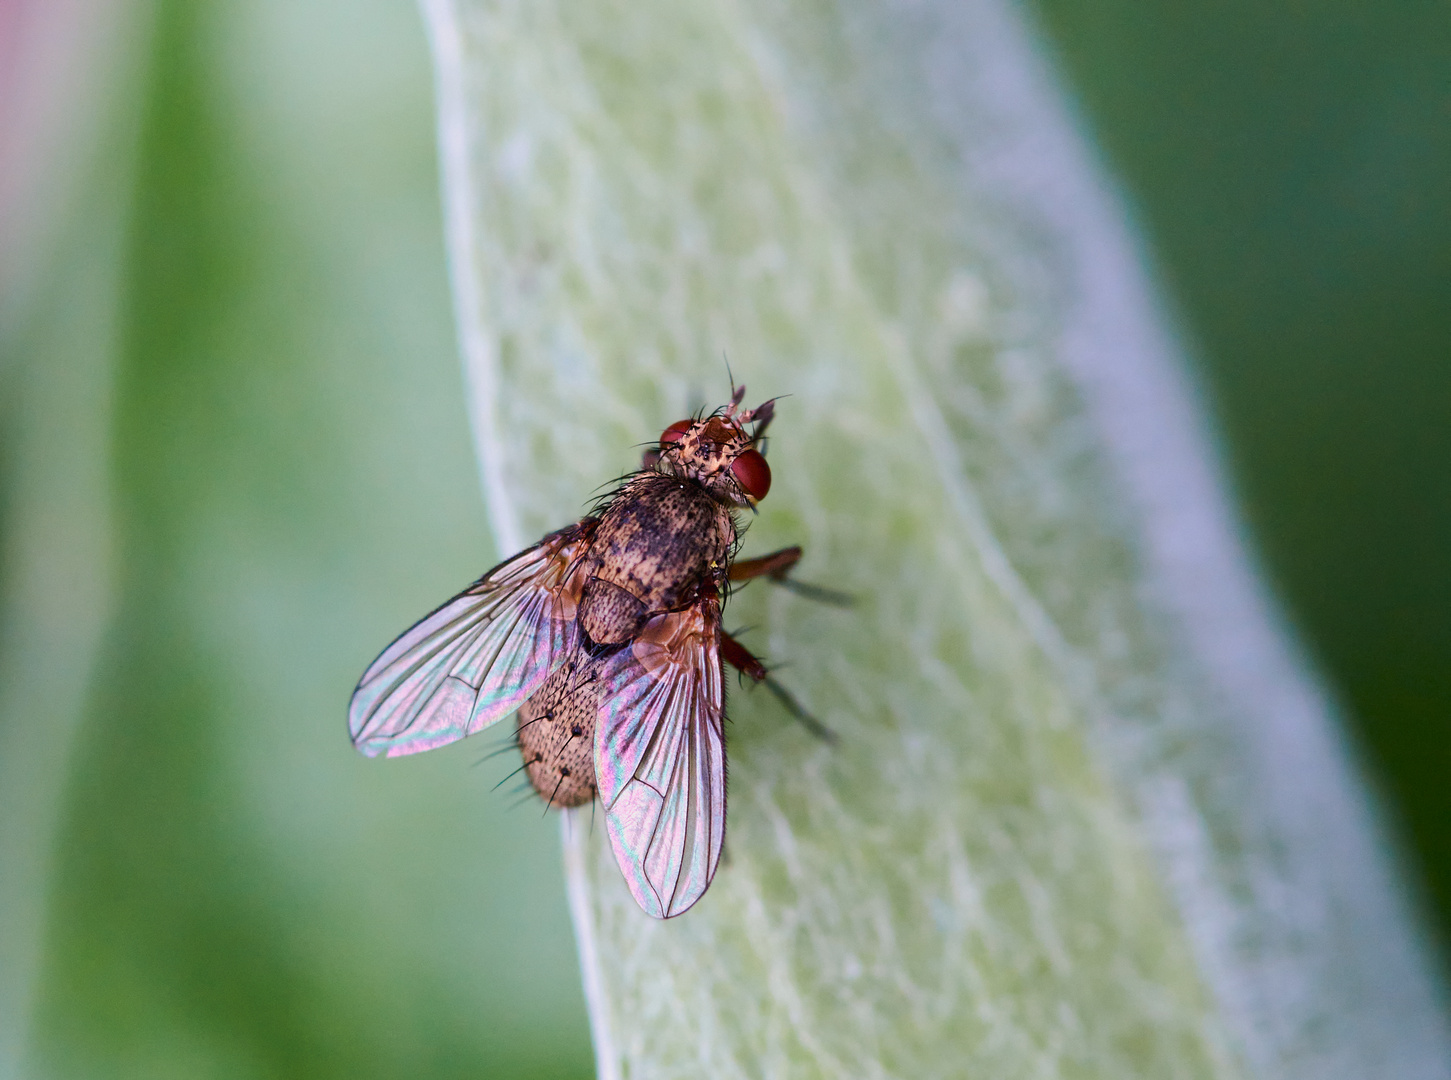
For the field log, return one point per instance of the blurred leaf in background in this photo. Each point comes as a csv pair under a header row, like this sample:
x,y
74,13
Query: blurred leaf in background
x,y
1292,163
234,891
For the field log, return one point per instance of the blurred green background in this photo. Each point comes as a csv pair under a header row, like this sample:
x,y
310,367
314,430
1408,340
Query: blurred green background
x,y
238,350
1291,165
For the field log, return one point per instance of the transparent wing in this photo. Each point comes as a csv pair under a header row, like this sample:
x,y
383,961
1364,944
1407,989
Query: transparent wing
x,y
478,657
660,758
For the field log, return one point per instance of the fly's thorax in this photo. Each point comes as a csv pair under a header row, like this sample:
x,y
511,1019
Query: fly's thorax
x,y
557,734
659,543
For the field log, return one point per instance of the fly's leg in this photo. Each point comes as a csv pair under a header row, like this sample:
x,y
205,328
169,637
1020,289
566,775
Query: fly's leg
x,y
776,568
775,565
739,657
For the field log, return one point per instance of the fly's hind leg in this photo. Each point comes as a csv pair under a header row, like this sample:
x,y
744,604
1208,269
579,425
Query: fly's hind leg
x,y
776,568
739,657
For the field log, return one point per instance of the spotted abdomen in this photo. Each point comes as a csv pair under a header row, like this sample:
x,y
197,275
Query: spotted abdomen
x,y
557,734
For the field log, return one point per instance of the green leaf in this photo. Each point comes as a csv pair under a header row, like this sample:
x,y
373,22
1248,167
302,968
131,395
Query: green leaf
x,y
1088,816
236,380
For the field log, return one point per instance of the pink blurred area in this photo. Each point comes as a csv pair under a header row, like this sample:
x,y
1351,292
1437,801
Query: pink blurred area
x,y
59,63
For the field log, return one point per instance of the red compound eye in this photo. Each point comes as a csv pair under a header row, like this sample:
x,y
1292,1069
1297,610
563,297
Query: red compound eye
x,y
676,431
752,473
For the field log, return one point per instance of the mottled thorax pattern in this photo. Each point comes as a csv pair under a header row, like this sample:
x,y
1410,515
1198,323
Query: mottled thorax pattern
x,y
659,543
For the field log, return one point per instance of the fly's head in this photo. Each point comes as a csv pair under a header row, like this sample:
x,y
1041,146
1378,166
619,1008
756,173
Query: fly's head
x,y
720,452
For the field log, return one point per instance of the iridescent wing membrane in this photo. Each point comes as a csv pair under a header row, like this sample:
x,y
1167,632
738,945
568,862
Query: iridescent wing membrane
x,y
660,758
478,657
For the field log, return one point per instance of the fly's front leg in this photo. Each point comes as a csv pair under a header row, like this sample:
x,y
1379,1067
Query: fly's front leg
x,y
775,565
739,657
776,568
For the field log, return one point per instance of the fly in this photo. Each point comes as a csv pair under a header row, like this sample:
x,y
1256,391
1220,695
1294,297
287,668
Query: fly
x,y
605,637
